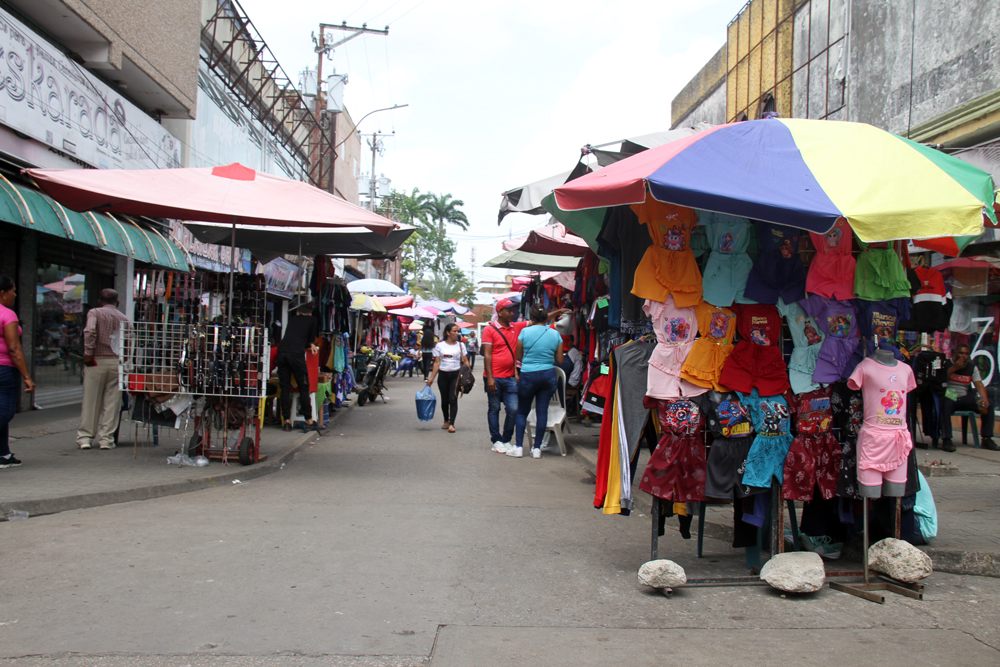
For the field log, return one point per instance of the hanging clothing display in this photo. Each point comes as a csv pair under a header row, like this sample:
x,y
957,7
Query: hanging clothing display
x,y
730,424
884,441
675,330
879,275
831,274
838,321
755,361
766,459
728,265
807,340
813,460
676,468
931,309
622,236
668,266
708,354
778,271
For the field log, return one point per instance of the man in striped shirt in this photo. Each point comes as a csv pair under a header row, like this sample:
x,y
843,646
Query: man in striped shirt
x,y
101,337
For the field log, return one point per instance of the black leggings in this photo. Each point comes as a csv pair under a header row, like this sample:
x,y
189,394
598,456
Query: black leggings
x,y
448,386
294,365
426,362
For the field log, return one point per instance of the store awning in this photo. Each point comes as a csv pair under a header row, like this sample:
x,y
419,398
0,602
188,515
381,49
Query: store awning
x,y
529,261
28,208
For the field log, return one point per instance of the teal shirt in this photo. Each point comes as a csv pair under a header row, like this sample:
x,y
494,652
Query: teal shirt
x,y
539,344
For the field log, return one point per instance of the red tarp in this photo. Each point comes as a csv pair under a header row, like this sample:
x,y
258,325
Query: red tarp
x,y
549,240
394,302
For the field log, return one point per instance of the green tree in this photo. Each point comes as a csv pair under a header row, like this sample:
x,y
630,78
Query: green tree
x,y
443,210
447,286
405,208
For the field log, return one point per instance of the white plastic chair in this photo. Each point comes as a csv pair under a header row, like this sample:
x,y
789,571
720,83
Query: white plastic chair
x,y
557,414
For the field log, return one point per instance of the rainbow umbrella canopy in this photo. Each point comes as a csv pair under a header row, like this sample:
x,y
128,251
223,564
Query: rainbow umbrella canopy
x,y
802,173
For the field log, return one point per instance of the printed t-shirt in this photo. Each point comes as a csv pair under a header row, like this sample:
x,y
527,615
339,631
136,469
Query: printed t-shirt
x,y
813,411
675,330
766,459
881,318
963,378
729,264
831,273
717,327
503,357
727,416
7,316
539,344
450,355
838,320
756,361
668,267
807,339
884,440
778,271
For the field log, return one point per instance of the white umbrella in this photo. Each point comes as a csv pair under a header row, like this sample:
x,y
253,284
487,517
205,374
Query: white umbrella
x,y
374,287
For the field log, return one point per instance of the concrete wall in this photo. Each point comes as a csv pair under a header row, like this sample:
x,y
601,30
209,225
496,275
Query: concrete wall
x,y
349,159
699,100
955,55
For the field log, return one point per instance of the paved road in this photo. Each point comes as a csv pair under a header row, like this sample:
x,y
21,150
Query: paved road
x,y
391,542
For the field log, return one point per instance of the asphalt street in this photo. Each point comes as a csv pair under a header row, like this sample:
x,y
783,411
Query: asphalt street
x,y
391,542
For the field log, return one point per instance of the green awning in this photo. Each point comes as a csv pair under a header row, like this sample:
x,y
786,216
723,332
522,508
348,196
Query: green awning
x,y
34,210
586,223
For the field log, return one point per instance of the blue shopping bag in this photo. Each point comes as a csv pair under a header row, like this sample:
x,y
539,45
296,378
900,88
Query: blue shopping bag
x,y
426,404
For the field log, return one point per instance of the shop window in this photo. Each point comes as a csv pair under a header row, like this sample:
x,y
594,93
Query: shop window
x,y
61,303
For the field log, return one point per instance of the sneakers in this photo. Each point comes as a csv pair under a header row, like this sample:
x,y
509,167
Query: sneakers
x,y
500,447
9,462
287,428
947,445
516,452
988,443
545,440
822,545
84,445
536,453
108,446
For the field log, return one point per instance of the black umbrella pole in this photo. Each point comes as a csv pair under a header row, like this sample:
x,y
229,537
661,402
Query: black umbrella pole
x,y
232,268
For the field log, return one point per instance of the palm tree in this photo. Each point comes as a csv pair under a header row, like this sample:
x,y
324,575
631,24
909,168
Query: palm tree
x,y
446,287
406,208
443,210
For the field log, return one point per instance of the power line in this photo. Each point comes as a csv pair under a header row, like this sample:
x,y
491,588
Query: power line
x,y
385,10
406,12
357,9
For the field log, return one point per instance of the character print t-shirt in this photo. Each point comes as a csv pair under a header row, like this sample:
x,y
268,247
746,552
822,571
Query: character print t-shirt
x,y
837,318
716,324
881,318
769,414
758,323
813,411
672,325
727,234
680,417
778,241
884,389
802,326
670,226
726,415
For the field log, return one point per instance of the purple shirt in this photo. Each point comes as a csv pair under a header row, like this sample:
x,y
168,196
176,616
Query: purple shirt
x,y
838,320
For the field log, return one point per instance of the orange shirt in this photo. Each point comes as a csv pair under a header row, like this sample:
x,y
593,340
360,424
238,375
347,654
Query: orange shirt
x,y
669,225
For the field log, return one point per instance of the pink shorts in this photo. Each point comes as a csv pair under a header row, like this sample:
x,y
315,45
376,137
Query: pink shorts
x,y
869,477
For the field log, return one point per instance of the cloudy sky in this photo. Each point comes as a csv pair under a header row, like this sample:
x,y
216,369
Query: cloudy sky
x,y
501,93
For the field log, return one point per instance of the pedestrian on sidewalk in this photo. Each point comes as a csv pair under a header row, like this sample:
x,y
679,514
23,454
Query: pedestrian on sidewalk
x,y
12,365
300,333
102,399
500,373
449,355
539,349
470,347
962,377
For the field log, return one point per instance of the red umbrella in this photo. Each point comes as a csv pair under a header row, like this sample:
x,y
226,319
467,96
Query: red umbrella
x,y
394,302
549,240
230,194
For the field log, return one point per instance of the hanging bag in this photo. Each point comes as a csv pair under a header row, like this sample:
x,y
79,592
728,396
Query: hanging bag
x,y
426,404
466,380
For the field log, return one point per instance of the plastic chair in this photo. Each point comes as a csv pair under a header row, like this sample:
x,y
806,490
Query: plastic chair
x,y
969,416
557,414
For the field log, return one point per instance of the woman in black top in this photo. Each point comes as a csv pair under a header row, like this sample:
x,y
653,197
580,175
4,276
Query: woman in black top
x,y
427,349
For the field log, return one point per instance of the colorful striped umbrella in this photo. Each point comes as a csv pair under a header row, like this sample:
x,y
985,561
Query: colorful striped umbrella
x,y
805,174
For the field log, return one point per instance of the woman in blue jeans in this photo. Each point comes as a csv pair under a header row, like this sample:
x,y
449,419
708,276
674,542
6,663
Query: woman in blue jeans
x,y
12,368
539,349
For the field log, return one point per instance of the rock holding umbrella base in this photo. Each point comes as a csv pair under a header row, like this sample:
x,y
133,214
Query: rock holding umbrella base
x,y
662,574
900,560
796,572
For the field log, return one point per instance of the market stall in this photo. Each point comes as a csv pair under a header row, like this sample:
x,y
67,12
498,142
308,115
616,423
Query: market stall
x,y
751,282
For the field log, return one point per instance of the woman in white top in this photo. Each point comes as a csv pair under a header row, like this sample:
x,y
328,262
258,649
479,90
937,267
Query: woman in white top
x,y
449,355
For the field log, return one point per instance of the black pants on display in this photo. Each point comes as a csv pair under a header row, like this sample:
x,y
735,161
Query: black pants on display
x,y
290,365
448,386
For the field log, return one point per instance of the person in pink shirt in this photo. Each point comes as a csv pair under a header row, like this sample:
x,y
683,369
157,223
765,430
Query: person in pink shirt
x,y
12,365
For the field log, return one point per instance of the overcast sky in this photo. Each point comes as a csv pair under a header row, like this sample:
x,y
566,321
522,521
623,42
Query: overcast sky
x,y
501,93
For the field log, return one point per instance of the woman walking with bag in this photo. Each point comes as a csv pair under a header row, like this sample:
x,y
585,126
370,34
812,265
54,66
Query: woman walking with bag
x,y
449,355
12,368
539,348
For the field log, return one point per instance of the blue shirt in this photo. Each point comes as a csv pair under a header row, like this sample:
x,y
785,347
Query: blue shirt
x,y
539,344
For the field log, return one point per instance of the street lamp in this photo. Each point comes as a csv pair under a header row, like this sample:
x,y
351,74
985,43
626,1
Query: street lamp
x,y
394,106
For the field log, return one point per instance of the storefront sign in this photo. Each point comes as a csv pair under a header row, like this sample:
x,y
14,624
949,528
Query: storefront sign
x,y
282,277
50,98
206,256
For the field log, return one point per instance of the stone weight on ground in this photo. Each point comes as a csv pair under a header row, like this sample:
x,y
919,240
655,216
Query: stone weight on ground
x,y
796,572
662,574
900,560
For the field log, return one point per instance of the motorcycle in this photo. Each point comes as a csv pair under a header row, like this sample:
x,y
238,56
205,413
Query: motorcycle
x,y
372,385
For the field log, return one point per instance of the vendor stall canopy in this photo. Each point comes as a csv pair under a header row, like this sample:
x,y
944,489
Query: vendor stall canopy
x,y
28,208
530,261
801,173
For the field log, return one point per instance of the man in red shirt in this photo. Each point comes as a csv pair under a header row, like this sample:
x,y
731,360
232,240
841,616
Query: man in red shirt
x,y
500,372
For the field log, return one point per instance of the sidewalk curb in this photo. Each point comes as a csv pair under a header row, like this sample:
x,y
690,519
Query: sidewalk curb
x,y
953,561
97,499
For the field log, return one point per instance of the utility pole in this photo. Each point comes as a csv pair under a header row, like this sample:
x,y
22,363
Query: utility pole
x,y
323,48
372,182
